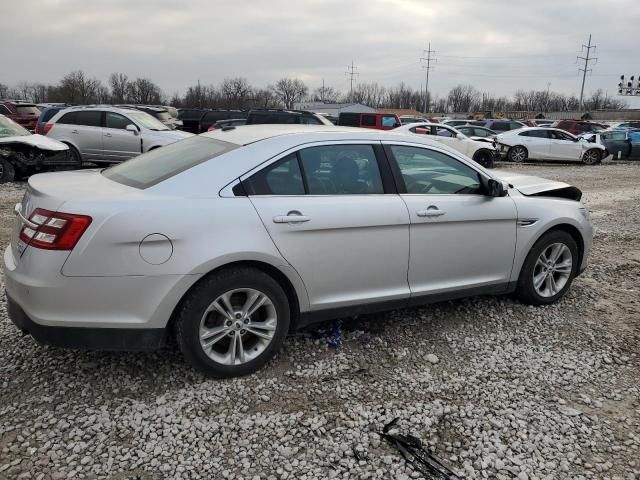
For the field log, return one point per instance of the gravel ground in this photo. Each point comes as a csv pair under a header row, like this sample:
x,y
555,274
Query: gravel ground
x,y
497,389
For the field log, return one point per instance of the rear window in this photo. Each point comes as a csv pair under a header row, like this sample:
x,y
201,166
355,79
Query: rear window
x,y
189,114
27,110
155,166
48,115
215,116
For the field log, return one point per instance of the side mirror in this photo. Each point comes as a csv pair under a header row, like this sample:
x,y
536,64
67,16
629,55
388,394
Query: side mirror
x,y
496,188
460,136
132,128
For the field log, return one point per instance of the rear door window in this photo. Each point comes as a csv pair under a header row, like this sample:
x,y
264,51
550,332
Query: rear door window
x,y
368,120
68,118
153,167
91,118
48,115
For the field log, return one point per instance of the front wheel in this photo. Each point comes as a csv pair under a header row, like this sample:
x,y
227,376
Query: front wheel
x,y
233,322
517,154
549,269
591,157
484,158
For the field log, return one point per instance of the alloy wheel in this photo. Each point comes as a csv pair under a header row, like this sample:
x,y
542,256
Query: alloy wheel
x,y
518,154
552,270
238,326
590,157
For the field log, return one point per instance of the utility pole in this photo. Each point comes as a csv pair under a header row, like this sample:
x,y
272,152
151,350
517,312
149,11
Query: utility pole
x,y
429,58
586,68
352,72
323,90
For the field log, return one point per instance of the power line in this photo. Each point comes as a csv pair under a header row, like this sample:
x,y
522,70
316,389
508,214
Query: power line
x,y
352,72
586,67
426,68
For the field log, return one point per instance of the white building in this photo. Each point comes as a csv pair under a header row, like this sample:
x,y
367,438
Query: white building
x,y
334,109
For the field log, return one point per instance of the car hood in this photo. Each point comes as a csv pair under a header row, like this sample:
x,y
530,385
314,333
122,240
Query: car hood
x,y
169,135
530,185
39,141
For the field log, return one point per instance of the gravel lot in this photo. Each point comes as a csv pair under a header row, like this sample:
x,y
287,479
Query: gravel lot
x,y
498,389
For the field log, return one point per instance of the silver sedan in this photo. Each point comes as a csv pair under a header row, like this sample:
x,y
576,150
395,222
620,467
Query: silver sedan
x,y
231,239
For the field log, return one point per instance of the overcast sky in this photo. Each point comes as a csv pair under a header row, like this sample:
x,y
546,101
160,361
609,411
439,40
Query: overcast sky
x,y
497,45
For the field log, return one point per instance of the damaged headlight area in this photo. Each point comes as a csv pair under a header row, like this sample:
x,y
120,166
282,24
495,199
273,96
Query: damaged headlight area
x,y
21,160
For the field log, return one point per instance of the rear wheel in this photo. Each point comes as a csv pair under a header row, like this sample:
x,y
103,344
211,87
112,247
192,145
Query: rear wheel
x,y
591,157
7,172
549,269
517,154
233,322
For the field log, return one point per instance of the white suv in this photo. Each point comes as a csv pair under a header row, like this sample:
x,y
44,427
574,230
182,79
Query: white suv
x,y
109,134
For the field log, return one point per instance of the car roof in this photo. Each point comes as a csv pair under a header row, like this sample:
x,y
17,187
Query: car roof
x,y
247,134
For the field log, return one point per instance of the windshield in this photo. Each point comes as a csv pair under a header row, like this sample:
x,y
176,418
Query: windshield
x,y
9,128
147,121
157,165
27,110
163,116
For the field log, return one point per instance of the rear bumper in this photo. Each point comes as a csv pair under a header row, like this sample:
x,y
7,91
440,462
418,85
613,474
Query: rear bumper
x,y
86,338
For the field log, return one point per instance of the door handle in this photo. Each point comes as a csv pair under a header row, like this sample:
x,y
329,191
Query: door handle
x,y
74,131
293,216
107,135
431,211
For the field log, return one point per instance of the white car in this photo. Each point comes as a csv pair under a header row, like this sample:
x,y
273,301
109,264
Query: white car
x,y
541,143
23,153
480,152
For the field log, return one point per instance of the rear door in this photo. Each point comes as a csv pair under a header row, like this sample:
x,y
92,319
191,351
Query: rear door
x,y
119,143
461,239
83,129
332,211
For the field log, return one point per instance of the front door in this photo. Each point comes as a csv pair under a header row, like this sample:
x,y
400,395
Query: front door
x,y
335,220
537,143
563,146
119,143
461,239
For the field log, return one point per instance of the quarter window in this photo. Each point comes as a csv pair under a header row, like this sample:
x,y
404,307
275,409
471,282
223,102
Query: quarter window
x,y
115,120
426,171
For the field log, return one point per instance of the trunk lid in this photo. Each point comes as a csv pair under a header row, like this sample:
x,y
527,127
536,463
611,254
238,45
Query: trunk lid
x,y
51,190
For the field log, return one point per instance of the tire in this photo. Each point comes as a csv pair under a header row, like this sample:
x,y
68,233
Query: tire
x,y
75,155
532,269
7,171
591,157
484,158
517,154
214,360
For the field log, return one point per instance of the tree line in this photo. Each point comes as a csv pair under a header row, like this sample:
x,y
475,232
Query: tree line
x,y
237,93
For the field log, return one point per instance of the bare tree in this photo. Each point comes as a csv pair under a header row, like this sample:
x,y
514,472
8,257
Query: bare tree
x,y
264,98
120,87
289,91
236,92
76,87
325,94
144,91
463,98
4,90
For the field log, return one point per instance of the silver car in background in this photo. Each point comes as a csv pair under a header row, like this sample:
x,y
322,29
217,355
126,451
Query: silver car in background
x,y
106,134
231,239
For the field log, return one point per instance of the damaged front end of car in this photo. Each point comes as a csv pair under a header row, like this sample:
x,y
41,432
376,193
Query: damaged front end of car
x,y
19,159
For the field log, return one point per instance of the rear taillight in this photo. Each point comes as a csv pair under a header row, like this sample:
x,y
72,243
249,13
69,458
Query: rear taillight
x,y
48,127
54,230
212,128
